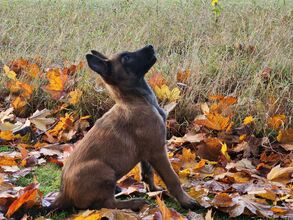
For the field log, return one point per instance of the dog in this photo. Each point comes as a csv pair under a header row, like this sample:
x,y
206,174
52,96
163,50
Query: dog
x,y
132,131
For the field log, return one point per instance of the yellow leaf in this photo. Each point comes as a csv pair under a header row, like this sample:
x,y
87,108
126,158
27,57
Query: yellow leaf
x,y
57,80
7,161
276,121
18,103
74,96
6,135
9,73
164,93
184,173
242,137
187,155
224,151
248,120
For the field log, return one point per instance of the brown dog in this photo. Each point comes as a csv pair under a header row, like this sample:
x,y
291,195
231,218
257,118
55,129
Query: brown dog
x,y
132,131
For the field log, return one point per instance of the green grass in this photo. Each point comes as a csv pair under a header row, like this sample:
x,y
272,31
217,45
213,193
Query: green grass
x,y
185,34
48,176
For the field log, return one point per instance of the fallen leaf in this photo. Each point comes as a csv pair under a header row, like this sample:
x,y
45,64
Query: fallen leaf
x,y
40,120
29,198
9,73
215,121
280,174
276,121
74,96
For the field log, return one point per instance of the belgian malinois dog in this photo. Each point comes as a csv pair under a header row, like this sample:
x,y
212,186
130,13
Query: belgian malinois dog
x,y
132,131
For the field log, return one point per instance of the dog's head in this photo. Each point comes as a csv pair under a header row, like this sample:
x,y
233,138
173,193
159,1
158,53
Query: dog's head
x,y
125,69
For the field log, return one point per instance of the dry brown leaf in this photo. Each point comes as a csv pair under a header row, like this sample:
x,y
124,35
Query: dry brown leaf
x,y
280,174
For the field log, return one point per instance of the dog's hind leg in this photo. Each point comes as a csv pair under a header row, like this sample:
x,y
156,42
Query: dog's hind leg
x,y
147,176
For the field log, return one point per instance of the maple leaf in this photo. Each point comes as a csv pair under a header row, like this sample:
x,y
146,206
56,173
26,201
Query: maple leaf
x,y
74,96
276,121
40,120
57,80
215,121
29,198
9,73
248,120
164,93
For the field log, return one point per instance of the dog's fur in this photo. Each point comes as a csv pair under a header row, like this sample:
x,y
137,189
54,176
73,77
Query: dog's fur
x,y
132,131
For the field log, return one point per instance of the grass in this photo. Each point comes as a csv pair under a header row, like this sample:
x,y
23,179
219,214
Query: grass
x,y
185,34
48,176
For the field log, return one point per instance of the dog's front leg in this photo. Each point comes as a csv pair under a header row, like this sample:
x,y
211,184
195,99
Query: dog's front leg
x,y
162,165
147,175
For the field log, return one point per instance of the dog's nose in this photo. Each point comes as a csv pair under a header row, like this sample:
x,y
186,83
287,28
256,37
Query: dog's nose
x,y
149,47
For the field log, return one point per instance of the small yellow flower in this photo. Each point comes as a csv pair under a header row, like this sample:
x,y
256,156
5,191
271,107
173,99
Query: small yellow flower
x,y
248,120
214,2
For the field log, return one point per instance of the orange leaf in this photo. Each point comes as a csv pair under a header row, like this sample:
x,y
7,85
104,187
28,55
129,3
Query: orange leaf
x,y
278,210
223,200
24,89
156,80
33,70
29,197
7,161
276,121
215,121
183,76
6,135
166,214
18,64
285,136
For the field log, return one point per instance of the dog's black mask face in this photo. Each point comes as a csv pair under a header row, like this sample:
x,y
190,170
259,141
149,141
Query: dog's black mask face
x,y
123,69
139,62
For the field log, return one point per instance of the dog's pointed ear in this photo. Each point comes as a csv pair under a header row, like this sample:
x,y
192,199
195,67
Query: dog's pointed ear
x,y
98,54
99,65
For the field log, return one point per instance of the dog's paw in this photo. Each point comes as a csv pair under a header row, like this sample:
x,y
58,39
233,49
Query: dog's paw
x,y
138,204
190,204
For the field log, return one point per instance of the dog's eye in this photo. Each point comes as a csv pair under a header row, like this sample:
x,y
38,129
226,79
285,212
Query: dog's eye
x,y
126,57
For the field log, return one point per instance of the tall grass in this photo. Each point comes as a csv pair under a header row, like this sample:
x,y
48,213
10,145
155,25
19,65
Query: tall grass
x,y
225,57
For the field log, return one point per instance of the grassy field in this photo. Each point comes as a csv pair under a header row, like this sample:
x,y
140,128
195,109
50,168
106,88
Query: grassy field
x,y
225,55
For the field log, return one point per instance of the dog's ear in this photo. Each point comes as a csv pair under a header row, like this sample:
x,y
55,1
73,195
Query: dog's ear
x,y
99,65
98,54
